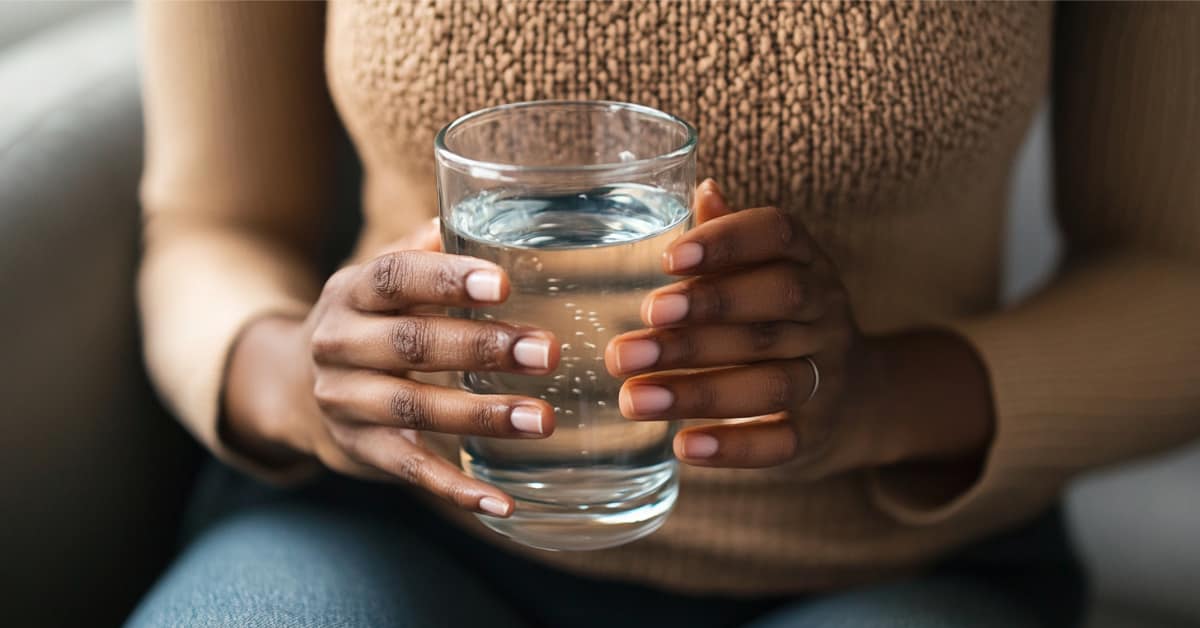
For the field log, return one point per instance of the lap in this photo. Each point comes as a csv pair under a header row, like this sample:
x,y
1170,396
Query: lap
x,y
934,601
292,564
339,553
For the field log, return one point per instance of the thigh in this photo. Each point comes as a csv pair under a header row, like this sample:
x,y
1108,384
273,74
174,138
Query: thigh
x,y
295,564
935,601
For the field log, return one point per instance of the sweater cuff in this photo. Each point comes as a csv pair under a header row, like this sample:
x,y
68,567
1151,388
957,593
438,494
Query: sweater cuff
x,y
1014,477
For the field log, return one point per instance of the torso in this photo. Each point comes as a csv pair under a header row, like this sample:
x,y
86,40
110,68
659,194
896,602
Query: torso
x,y
889,127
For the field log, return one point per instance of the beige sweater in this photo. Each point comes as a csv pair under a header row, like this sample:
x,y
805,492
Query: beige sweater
x,y
890,128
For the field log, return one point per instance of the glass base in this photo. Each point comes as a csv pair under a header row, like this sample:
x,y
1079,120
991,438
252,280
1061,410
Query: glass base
x,y
579,509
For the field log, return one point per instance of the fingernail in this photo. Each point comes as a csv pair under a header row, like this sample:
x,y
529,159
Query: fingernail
x,y
526,419
699,446
685,256
532,352
494,506
666,309
484,285
633,355
646,400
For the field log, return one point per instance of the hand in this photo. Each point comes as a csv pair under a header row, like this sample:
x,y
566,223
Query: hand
x,y
334,386
760,301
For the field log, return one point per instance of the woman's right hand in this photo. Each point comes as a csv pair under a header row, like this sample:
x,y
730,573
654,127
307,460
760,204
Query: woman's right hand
x,y
334,386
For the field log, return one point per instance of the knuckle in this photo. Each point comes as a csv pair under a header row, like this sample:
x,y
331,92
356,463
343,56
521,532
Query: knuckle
x,y
704,399
684,347
344,442
488,346
777,385
409,466
459,494
785,228
795,290
763,336
711,300
407,409
446,281
410,337
387,273
325,394
337,281
718,252
325,344
485,418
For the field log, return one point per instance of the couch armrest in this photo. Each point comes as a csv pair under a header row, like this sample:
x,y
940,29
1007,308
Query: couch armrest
x,y
93,473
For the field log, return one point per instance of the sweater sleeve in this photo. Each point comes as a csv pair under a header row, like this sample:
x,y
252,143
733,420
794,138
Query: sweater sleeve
x,y
238,128
1103,365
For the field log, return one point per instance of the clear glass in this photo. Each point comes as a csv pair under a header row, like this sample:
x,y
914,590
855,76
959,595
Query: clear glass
x,y
576,200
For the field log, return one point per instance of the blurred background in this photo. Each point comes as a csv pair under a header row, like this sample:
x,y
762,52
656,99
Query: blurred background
x,y
94,474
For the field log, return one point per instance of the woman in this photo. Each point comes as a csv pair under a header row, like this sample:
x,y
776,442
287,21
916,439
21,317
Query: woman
x,y
862,153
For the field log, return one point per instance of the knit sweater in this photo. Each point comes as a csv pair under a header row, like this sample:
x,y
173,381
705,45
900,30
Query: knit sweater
x,y
889,128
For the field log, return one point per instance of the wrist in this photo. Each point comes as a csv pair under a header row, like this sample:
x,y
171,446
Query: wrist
x,y
933,396
258,394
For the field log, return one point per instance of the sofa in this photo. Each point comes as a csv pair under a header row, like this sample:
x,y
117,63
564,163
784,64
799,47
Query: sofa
x,y
95,474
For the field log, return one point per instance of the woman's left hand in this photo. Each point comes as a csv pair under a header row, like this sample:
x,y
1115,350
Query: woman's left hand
x,y
764,313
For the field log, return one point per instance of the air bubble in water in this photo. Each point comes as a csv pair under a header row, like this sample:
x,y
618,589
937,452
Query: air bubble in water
x,y
552,390
568,304
577,391
601,404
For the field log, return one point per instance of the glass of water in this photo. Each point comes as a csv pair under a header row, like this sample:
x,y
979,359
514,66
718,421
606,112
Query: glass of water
x,y
576,200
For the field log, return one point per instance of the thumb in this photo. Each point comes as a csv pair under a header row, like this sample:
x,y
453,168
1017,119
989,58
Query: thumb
x,y
710,202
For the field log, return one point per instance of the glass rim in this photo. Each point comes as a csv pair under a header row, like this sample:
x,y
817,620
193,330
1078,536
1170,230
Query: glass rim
x,y
450,157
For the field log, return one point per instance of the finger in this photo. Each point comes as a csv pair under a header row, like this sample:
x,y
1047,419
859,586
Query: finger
x,y
710,202
698,346
751,236
387,449
763,443
433,343
401,279
729,393
779,291
372,397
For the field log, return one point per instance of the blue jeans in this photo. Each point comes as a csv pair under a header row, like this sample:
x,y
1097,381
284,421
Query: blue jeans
x,y
340,553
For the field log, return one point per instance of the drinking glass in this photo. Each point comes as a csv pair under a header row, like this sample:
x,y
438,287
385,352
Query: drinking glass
x,y
576,200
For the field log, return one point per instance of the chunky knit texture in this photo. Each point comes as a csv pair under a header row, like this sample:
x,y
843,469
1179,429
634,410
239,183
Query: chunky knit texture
x,y
888,127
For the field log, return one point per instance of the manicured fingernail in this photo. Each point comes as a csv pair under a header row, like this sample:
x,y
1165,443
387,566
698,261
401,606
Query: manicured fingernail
x,y
494,506
484,285
633,355
699,446
526,419
645,400
666,309
684,256
532,352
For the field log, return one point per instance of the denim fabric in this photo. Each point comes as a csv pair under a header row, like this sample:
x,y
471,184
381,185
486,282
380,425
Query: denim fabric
x,y
341,553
